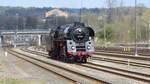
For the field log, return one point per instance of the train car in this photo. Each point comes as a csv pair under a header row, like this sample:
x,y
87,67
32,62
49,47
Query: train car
x,y
71,42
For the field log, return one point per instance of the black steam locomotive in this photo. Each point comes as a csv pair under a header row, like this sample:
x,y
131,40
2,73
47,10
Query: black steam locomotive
x,y
71,42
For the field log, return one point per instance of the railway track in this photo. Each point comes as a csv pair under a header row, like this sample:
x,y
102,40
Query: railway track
x,y
124,50
35,52
69,74
117,71
41,65
101,59
123,56
124,62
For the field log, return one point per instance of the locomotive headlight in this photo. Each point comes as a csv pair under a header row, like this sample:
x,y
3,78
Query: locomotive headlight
x,y
72,47
79,30
88,47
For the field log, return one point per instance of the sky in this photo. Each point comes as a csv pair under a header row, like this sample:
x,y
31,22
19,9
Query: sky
x,y
67,3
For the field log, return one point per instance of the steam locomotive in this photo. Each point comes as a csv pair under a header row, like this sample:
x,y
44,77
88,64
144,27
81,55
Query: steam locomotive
x,y
71,42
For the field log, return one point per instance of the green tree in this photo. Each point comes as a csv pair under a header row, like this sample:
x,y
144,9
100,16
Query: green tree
x,y
106,33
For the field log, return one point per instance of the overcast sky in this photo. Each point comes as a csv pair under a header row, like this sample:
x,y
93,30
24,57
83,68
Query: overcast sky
x,y
66,3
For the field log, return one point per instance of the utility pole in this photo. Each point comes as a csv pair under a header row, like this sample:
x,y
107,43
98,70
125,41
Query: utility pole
x,y
0,39
104,23
102,18
16,30
105,38
81,11
149,34
136,51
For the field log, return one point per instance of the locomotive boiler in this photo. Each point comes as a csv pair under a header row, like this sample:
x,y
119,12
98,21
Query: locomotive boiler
x,y
71,42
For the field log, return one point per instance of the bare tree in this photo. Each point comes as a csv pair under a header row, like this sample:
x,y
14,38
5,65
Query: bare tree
x,y
111,4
